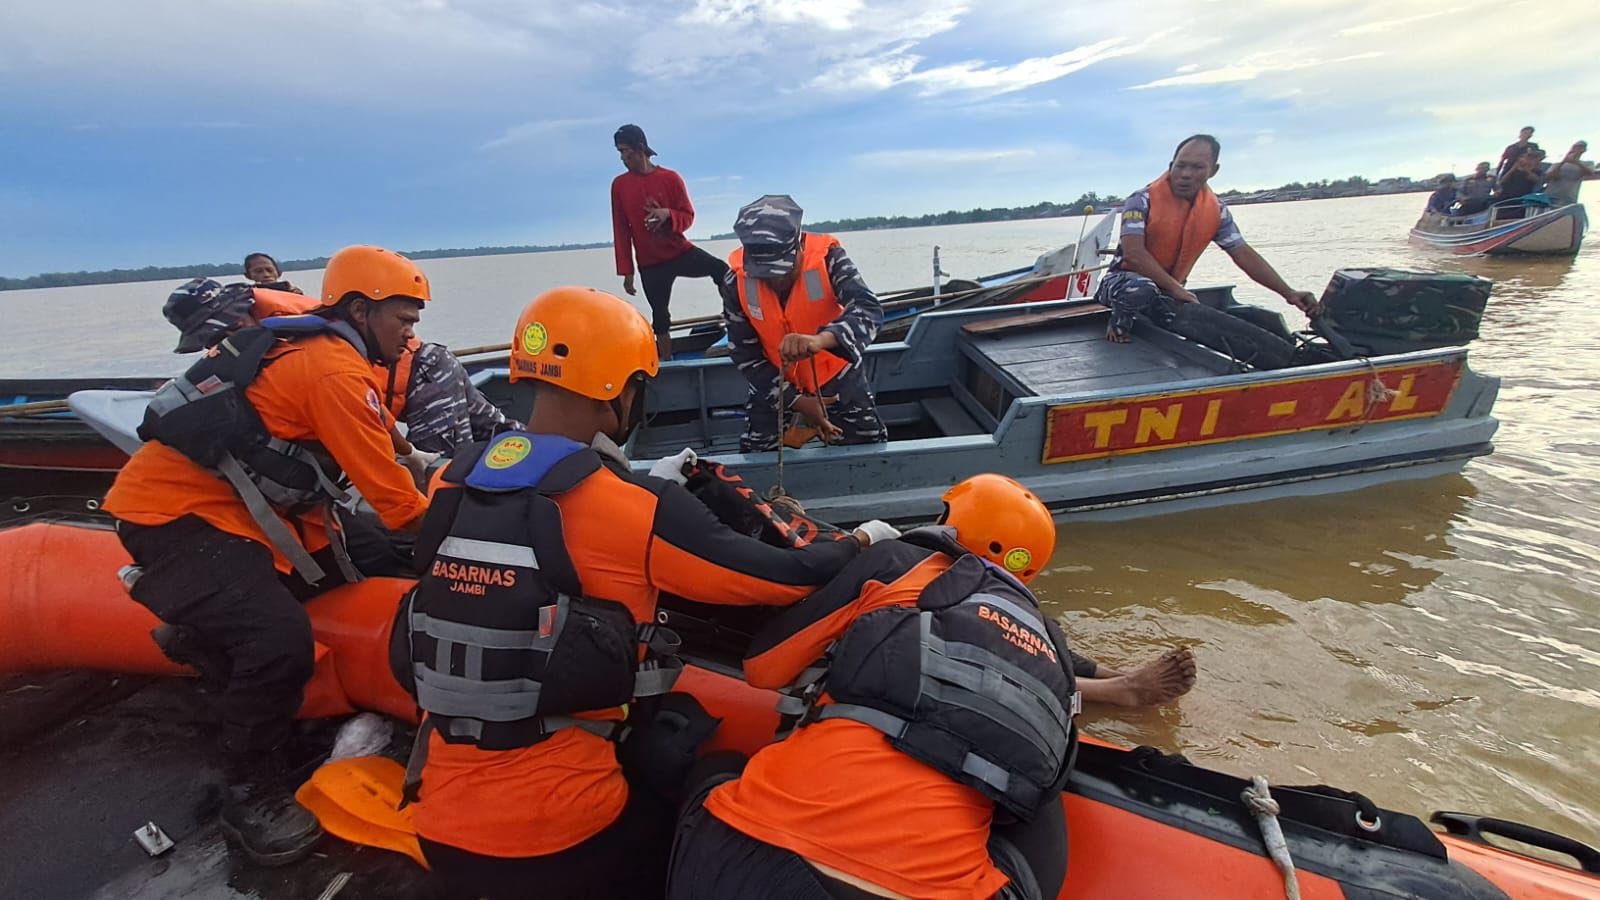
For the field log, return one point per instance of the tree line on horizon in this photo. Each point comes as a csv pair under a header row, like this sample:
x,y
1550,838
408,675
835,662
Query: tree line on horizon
x,y
1042,210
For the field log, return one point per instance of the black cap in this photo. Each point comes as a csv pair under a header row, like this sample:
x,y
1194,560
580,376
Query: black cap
x,y
632,136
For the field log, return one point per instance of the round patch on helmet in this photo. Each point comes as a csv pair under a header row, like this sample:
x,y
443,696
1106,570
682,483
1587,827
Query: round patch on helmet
x,y
534,339
1017,559
507,452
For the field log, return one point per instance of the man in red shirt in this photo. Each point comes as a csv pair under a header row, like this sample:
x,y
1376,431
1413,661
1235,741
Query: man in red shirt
x,y
650,211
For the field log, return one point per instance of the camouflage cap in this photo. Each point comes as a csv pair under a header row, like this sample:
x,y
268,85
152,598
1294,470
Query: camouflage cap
x,y
204,311
769,229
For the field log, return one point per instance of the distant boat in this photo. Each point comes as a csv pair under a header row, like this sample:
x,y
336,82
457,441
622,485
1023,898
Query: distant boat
x,y
1523,225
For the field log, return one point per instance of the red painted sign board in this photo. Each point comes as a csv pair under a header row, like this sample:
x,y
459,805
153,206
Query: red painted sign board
x,y
1148,422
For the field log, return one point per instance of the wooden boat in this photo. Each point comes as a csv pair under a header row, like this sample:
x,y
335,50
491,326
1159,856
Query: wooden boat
x,y
1093,428
41,439
1522,225
89,761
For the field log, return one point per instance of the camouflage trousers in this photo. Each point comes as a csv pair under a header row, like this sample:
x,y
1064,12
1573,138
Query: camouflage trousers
x,y
1128,294
855,412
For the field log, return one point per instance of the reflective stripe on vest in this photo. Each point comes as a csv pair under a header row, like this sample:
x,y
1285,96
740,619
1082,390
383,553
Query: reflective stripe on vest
x,y
812,305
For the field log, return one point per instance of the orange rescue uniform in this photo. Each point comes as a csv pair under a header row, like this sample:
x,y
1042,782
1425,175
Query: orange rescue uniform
x,y
628,542
836,792
313,389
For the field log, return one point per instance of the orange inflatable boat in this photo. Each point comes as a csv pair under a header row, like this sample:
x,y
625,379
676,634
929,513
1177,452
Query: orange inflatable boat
x,y
1141,825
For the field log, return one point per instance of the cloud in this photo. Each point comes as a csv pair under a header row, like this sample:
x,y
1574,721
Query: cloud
x,y
1250,68
528,131
1000,79
944,159
1390,24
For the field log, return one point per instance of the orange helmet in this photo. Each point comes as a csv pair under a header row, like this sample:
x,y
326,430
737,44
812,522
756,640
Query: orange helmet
x,y
374,273
586,341
1002,521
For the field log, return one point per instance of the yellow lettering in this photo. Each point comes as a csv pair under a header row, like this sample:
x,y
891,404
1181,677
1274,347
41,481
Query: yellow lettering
x,y
1208,426
1353,403
1282,408
1102,422
1403,398
1163,425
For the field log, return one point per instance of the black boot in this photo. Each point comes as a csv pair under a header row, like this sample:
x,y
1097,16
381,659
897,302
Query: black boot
x,y
259,812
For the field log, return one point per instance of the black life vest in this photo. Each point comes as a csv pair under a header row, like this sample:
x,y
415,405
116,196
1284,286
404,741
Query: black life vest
x,y
974,680
205,415
498,642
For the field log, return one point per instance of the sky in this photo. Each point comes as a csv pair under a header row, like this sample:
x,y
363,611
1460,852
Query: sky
x,y
164,132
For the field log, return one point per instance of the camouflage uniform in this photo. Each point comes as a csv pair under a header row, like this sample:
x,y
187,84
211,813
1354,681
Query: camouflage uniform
x,y
443,409
1128,293
769,228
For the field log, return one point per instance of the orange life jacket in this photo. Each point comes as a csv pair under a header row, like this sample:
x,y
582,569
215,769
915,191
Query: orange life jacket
x,y
812,305
269,302
396,379
1177,231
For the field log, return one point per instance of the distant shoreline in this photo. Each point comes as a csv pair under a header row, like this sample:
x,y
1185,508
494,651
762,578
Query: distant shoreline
x,y
1354,187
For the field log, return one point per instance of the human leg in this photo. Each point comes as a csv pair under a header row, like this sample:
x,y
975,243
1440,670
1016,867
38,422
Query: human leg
x,y
221,592
1169,677
1127,295
657,283
856,410
1033,854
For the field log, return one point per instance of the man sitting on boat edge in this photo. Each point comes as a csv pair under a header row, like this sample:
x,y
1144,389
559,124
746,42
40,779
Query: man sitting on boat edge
x,y
796,301
1166,225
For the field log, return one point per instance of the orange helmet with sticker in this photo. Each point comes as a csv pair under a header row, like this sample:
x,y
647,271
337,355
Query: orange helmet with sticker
x,y
586,341
374,273
1002,521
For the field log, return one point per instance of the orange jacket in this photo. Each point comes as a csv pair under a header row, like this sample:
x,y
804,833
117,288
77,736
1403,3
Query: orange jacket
x,y
316,389
812,305
1177,231
269,302
628,540
836,792
396,379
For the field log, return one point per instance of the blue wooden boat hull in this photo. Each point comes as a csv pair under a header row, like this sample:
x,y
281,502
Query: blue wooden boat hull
x,y
1542,230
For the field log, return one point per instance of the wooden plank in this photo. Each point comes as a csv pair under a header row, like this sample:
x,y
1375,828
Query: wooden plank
x,y
1032,320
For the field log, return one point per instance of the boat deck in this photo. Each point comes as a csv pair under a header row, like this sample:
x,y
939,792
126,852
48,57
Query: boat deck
x,y
1072,356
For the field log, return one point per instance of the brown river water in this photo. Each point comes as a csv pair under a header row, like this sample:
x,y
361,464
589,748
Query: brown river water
x,y
1433,644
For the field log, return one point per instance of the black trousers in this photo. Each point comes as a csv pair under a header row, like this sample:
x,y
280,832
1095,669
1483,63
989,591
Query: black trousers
x,y
713,861
224,589
657,282
628,859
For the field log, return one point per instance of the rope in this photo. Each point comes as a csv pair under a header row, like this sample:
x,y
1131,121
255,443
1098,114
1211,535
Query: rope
x,y
1258,799
1377,393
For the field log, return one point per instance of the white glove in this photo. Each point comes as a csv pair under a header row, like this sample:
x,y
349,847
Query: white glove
x,y
671,467
418,461
876,531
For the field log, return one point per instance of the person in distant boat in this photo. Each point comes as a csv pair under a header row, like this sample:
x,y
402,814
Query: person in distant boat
x,y
1166,225
263,271
1440,201
799,317
1522,179
650,211
1514,151
229,512
1474,192
522,646
1565,177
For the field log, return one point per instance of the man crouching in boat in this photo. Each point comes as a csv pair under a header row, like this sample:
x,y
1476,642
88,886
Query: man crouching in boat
x,y
523,640
228,511
799,317
1166,225
935,702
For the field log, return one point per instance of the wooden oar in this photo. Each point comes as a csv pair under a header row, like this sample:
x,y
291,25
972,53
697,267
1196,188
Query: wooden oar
x,y
36,408
891,305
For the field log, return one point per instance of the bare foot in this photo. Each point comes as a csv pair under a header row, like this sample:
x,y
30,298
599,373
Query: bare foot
x,y
1113,337
1162,681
